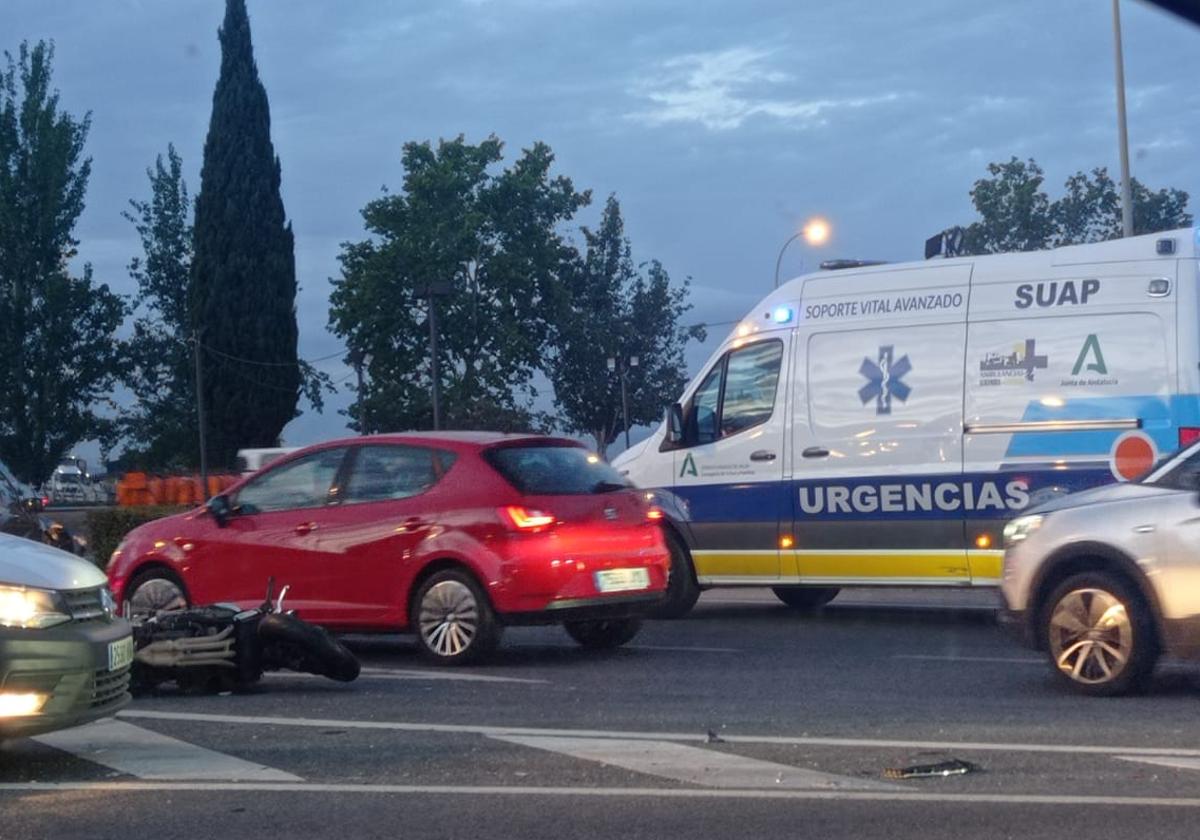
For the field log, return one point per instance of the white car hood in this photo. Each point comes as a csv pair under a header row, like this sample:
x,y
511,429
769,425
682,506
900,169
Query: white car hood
x,y
27,563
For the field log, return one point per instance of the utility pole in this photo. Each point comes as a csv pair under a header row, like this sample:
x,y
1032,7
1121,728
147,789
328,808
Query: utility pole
x,y
433,363
432,291
196,350
1122,132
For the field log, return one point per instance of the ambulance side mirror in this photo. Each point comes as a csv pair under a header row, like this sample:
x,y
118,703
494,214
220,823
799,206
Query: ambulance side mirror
x,y
675,423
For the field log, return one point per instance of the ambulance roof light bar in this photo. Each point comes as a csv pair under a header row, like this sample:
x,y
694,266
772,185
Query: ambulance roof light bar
x,y
837,265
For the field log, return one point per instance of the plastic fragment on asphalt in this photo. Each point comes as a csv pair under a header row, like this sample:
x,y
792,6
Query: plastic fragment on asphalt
x,y
953,767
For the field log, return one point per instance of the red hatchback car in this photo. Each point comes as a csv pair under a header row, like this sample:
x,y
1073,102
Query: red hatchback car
x,y
451,536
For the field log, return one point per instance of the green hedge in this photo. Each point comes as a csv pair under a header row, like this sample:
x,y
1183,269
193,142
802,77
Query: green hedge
x,y
106,528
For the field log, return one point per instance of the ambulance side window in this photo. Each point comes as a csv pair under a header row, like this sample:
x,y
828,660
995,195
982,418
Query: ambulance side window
x,y
706,403
737,394
751,379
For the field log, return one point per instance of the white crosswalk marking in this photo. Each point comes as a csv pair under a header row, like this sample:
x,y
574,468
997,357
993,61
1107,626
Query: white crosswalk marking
x,y
694,765
149,755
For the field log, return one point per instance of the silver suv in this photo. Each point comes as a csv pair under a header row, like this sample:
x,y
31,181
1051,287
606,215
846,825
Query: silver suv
x,y
1107,580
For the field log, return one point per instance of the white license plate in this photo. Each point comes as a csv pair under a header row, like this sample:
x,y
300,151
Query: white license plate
x,y
622,580
120,653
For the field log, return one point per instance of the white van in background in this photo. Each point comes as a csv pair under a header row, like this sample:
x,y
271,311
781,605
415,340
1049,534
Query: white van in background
x,y
253,460
879,424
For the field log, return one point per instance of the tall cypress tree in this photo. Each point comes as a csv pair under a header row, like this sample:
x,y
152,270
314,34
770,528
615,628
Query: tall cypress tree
x,y
243,281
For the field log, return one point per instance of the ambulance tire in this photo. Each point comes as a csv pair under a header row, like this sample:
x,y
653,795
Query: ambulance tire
x,y
682,589
805,597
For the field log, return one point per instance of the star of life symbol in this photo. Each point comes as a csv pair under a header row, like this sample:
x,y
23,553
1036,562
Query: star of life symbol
x,y
885,379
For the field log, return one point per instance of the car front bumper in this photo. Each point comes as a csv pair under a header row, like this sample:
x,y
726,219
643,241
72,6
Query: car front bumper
x,y
69,665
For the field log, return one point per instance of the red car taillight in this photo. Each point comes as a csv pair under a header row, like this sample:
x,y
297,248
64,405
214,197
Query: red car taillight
x,y
1188,435
526,519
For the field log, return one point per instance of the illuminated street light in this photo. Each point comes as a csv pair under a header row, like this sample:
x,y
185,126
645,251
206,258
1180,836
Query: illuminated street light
x,y
816,232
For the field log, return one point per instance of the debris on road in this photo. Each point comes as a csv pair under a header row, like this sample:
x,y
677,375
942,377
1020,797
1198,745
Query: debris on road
x,y
953,767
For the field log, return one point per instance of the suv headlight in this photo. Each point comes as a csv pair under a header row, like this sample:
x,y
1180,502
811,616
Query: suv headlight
x,y
32,609
1021,527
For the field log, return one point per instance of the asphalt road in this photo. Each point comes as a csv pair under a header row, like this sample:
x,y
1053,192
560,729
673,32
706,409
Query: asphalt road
x,y
744,720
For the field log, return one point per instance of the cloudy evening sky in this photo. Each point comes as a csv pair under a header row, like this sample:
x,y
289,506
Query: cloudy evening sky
x,y
720,126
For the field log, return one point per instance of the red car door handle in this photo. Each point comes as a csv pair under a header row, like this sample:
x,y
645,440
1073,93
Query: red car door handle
x,y
306,528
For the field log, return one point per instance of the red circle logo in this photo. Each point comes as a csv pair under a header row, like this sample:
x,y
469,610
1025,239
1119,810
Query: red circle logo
x,y
1132,455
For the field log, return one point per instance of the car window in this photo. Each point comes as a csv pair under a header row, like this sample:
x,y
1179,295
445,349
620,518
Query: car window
x,y
381,473
302,483
706,403
1184,474
751,377
554,470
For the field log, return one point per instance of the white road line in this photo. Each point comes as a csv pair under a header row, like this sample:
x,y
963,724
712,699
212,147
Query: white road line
x,y
899,795
149,755
684,737
694,765
1012,660
683,648
1180,763
401,674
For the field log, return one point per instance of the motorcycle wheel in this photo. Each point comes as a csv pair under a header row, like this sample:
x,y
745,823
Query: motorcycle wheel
x,y
300,646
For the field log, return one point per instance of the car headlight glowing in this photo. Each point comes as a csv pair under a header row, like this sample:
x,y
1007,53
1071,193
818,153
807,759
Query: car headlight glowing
x,y
1021,527
32,609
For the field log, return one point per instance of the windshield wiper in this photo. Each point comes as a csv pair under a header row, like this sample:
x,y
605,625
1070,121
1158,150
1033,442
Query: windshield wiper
x,y
605,486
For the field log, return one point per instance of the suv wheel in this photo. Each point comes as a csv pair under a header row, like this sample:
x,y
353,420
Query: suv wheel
x,y
453,620
1099,634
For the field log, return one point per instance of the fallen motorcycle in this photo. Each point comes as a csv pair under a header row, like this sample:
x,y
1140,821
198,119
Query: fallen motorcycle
x,y
221,648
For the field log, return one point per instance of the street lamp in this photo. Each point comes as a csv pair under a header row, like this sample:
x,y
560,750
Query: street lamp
x,y
1122,132
614,364
816,233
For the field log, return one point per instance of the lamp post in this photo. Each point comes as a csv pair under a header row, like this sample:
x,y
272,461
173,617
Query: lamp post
x,y
622,366
815,232
1122,132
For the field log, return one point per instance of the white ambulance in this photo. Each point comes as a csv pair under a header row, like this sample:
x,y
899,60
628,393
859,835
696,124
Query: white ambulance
x,y
879,424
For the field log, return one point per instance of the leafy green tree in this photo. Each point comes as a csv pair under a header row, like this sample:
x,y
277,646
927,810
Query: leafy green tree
x,y
161,427
242,292
59,355
1016,214
611,309
487,240
1014,210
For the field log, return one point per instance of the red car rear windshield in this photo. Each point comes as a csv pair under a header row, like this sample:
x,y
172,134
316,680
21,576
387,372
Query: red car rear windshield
x,y
554,470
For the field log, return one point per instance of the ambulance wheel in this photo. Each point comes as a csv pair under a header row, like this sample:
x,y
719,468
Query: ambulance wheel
x,y
682,589
604,634
805,597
